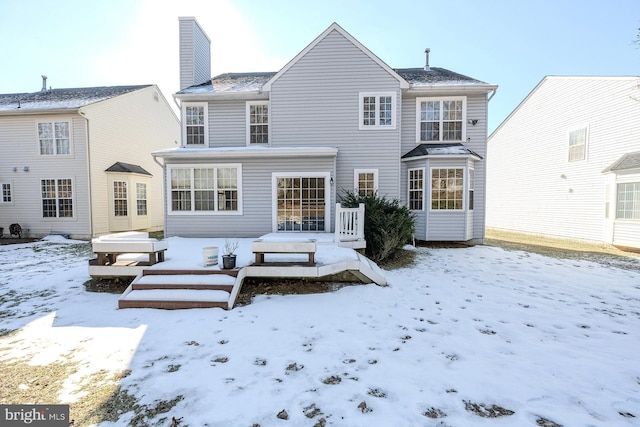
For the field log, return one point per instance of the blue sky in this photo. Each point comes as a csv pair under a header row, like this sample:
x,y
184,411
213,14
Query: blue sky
x,y
512,43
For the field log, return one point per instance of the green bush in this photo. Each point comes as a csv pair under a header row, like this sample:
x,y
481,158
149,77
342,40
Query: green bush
x,y
388,225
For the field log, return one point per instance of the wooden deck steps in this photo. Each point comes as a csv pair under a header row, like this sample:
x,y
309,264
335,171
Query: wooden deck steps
x,y
180,289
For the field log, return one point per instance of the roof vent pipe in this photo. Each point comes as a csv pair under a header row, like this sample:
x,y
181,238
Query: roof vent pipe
x,y
44,83
426,64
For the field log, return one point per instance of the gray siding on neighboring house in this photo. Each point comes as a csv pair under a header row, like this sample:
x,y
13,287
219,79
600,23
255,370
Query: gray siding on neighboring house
x,y
195,54
316,102
533,188
257,200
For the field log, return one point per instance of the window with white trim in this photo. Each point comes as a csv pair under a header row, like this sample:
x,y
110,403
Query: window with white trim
x,y
54,138
57,198
416,189
578,144
377,110
628,202
472,183
195,123
447,185
205,189
141,198
120,198
6,196
441,119
257,122
366,181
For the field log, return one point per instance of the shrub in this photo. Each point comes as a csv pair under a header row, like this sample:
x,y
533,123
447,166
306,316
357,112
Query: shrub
x,y
388,225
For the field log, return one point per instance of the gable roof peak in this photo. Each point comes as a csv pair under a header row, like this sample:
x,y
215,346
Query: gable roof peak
x,y
336,27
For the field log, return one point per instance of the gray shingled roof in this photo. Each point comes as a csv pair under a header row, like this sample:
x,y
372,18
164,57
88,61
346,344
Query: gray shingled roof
x,y
247,82
61,99
127,168
418,77
231,82
440,150
627,161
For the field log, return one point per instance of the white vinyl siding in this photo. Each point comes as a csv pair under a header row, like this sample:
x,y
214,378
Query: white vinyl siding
x,y
195,118
441,119
57,198
257,122
416,189
205,189
366,181
54,138
377,110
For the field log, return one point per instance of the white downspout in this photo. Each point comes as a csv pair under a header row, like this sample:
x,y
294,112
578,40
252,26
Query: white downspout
x,y
89,188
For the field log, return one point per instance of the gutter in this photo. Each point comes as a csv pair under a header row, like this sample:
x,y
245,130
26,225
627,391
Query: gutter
x,y
493,92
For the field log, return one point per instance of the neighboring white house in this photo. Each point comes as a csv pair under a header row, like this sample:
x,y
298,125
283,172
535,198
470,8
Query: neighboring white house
x,y
78,161
566,162
271,151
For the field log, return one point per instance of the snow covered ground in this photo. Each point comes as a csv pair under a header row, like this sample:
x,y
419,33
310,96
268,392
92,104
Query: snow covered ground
x,y
547,341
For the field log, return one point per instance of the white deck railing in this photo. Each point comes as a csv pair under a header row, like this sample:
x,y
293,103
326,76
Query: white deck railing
x,y
349,223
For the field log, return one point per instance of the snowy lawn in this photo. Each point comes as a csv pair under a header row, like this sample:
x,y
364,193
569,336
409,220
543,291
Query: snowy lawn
x,y
464,337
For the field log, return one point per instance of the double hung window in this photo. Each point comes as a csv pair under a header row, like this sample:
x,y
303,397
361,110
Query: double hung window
x,y
57,198
258,122
416,189
440,119
447,185
377,110
578,144
54,138
195,124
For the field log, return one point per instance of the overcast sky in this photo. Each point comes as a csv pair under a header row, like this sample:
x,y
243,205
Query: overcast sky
x,y
511,43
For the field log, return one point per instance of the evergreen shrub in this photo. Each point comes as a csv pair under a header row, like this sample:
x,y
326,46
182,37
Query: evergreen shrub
x,y
388,225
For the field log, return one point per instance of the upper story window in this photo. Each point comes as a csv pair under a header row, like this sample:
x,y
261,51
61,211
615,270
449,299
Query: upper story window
x,y
258,122
377,110
366,181
441,119
54,138
5,197
578,144
195,123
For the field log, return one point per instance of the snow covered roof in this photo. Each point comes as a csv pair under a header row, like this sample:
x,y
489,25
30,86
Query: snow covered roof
x,y
454,149
231,82
61,99
626,162
419,77
245,152
126,168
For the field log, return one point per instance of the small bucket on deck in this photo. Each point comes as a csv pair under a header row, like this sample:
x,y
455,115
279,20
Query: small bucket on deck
x,y
210,256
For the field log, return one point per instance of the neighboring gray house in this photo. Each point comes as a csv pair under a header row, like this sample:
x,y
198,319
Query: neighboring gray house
x,y
272,151
566,162
78,161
